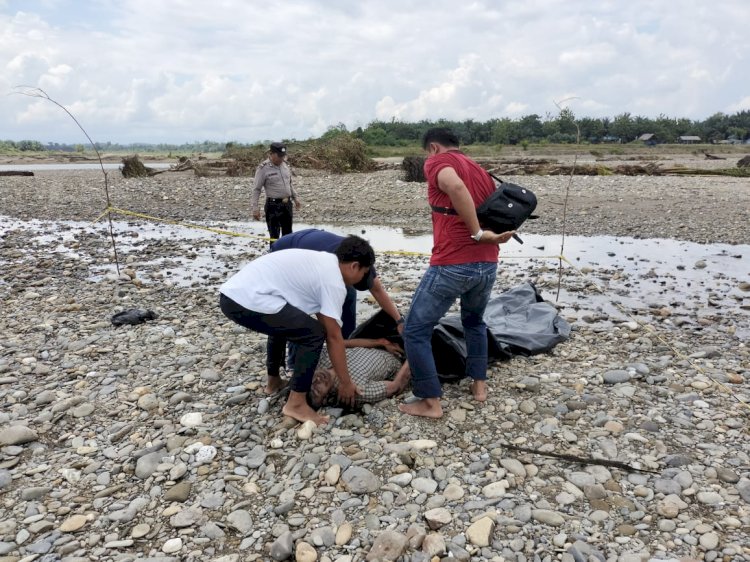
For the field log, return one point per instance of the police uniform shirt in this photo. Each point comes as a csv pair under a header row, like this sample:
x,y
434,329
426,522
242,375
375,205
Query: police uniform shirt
x,y
276,180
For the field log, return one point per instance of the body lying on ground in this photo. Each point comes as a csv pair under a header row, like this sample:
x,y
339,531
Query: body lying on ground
x,y
375,365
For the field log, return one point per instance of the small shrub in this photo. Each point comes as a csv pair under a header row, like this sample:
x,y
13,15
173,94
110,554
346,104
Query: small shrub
x,y
132,167
413,167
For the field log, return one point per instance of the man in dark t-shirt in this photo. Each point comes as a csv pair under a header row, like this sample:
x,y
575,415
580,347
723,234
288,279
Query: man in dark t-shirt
x,y
323,241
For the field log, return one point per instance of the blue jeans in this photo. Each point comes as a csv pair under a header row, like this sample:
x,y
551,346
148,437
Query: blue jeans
x,y
349,313
436,293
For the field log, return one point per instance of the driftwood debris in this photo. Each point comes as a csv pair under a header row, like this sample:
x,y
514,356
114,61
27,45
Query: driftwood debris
x,y
581,460
713,157
16,173
644,169
744,162
132,167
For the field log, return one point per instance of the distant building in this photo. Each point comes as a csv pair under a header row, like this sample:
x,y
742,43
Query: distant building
x,y
647,138
689,139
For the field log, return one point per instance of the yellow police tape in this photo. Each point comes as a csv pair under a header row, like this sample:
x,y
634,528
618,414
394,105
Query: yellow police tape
x,y
117,211
648,328
125,212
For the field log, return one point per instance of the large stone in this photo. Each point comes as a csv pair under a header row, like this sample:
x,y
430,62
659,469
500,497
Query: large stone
x,y
710,540
359,480
616,376
437,517
709,498
172,545
17,435
146,465
479,533
424,485
73,523
388,546
743,487
433,545
179,492
495,489
344,533
514,466
305,553
242,521
256,457
283,546
548,517
333,474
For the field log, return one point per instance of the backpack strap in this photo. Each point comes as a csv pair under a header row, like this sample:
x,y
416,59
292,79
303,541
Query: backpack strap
x,y
444,210
494,177
451,210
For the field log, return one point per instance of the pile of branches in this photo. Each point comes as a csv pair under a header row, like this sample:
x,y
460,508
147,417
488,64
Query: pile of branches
x,y
132,167
338,154
413,168
647,169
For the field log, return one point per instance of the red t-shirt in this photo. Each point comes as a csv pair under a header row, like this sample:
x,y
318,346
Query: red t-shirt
x,y
452,242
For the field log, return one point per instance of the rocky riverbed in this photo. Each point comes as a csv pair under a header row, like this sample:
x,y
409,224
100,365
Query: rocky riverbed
x,y
154,441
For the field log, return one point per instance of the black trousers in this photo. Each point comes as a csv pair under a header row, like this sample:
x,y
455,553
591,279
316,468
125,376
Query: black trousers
x,y
289,324
278,218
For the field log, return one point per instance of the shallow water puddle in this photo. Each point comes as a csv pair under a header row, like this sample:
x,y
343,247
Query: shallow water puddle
x,y
637,274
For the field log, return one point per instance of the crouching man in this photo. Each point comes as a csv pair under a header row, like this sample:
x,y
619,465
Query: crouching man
x,y
275,295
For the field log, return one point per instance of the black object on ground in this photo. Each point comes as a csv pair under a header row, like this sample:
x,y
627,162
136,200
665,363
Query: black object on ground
x,y
133,316
519,322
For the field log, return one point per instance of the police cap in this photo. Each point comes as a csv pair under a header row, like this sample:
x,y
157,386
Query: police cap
x,y
278,148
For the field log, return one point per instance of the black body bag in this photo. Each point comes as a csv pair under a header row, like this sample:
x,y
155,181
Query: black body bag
x,y
506,209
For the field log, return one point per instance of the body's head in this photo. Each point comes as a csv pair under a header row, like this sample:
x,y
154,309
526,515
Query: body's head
x,y
438,140
356,257
321,386
277,153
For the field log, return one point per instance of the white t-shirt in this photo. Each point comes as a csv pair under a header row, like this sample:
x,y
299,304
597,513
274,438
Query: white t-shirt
x,y
306,279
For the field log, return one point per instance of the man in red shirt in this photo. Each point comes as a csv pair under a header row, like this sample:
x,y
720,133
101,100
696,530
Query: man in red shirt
x,y
463,264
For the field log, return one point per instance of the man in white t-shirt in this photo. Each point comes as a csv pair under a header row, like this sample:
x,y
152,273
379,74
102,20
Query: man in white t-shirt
x,y
277,293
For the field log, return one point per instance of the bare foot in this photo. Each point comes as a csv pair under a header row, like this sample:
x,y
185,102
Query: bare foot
x,y
479,390
303,413
397,385
427,408
274,384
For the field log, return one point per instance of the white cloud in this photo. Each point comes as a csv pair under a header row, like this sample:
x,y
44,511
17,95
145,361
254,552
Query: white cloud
x,y
740,105
239,70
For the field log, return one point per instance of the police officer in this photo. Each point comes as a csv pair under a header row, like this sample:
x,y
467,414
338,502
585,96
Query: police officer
x,y
275,177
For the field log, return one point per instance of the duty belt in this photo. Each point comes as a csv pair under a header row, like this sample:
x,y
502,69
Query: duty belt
x,y
281,200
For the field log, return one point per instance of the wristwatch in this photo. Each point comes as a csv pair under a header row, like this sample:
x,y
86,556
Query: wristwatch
x,y
478,236
400,320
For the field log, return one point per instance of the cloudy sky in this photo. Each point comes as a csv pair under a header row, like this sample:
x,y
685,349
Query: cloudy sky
x,y
243,70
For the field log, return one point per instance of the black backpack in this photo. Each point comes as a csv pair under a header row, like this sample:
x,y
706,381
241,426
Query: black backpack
x,y
505,209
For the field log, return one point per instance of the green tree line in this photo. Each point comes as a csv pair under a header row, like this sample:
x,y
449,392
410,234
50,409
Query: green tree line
x,y
563,127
